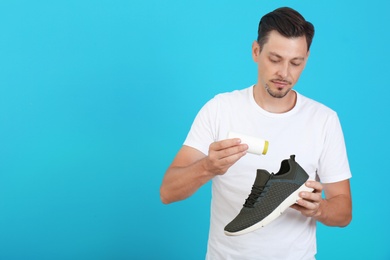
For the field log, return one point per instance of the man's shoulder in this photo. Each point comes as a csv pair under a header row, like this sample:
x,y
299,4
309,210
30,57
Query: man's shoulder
x,y
309,104
233,95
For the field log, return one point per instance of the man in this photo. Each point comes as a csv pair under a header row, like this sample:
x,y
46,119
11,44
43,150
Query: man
x,y
293,124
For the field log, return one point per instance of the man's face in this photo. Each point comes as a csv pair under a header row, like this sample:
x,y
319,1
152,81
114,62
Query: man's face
x,y
280,63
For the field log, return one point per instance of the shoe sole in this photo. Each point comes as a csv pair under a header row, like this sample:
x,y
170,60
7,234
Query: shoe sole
x,y
290,200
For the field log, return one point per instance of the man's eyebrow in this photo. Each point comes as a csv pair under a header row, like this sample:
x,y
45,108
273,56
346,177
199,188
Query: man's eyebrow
x,y
299,58
280,57
275,54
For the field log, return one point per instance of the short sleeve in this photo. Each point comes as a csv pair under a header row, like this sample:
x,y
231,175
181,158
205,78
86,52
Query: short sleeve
x,y
333,164
203,129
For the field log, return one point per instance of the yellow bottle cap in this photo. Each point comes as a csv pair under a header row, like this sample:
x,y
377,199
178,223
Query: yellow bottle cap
x,y
265,150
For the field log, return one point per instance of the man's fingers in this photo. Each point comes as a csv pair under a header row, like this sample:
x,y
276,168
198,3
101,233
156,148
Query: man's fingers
x,y
231,151
317,186
224,144
226,148
224,154
232,156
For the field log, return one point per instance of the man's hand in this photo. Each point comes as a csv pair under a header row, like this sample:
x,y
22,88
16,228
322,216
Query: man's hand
x,y
223,154
333,210
191,168
309,204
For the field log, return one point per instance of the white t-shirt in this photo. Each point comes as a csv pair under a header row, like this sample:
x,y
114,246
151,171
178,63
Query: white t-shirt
x,y
310,130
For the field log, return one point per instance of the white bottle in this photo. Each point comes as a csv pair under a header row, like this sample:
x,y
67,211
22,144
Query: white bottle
x,y
255,145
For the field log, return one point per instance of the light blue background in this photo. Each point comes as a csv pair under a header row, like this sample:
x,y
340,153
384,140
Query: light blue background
x,y
96,97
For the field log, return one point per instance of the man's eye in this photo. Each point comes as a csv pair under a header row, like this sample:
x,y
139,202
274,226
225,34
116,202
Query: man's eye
x,y
274,61
295,64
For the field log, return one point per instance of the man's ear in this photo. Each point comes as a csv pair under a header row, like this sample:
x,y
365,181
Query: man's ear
x,y
255,51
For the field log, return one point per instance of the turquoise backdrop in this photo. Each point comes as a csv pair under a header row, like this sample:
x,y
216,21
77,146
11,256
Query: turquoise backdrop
x,y
96,97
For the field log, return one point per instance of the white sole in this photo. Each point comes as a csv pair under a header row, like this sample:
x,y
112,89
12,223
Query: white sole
x,y
290,200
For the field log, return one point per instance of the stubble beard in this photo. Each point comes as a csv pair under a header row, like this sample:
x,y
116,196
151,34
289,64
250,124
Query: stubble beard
x,y
276,94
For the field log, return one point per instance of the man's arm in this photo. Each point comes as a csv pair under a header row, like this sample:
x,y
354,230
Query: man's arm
x,y
191,168
334,210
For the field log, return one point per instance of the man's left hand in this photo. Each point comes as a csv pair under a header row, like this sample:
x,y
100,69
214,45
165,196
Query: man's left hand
x,y
309,202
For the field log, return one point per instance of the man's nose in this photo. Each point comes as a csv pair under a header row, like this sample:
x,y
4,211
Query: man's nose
x,y
283,70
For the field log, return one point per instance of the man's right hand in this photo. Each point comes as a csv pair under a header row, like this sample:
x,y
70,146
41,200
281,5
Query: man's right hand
x,y
223,154
191,168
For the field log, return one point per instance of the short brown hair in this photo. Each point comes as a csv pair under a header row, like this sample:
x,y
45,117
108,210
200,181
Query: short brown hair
x,y
288,23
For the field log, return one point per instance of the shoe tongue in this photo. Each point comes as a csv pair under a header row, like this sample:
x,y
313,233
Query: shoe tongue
x,y
262,177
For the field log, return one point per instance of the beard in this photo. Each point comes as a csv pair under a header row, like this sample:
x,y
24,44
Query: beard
x,y
278,93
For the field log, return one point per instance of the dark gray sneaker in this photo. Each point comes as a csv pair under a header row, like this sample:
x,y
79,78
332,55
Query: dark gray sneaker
x,y
271,195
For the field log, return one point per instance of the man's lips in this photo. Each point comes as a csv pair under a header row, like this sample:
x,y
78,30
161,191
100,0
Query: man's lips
x,y
280,83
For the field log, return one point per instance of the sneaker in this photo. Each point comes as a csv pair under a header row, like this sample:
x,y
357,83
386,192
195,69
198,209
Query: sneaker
x,y
271,195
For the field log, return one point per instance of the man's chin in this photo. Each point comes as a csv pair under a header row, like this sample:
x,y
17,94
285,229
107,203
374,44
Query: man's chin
x,y
278,93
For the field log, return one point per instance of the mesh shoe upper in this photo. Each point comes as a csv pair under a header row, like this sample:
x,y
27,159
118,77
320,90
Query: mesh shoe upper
x,y
268,192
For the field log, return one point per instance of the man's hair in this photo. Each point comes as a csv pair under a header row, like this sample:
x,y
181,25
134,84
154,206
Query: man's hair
x,y
288,23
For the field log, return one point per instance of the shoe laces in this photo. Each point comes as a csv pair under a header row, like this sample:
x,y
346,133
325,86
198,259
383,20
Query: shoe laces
x,y
256,192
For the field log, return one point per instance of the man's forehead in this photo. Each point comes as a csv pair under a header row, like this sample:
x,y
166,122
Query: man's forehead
x,y
271,53
275,35
281,46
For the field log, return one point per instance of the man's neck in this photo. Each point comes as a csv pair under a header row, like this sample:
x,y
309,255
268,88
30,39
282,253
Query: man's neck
x,y
272,104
